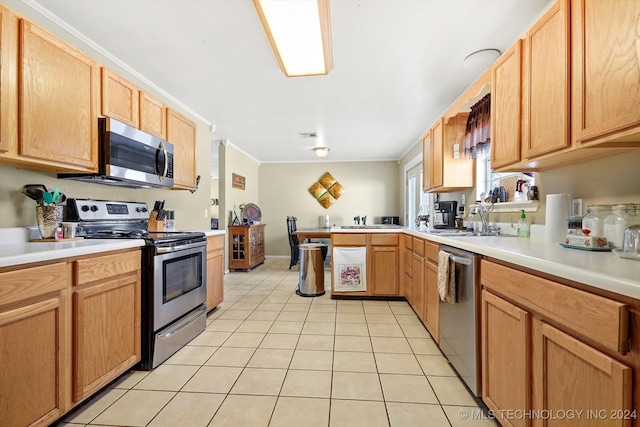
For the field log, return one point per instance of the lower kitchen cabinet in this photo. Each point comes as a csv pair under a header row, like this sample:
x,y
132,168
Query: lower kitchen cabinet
x,y
432,300
67,329
547,346
215,271
570,374
417,302
106,320
384,257
505,357
34,345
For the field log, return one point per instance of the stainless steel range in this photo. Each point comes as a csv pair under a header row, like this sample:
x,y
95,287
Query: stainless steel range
x,y
173,272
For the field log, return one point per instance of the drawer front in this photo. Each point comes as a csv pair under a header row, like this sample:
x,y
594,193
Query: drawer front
x,y
215,243
418,246
601,319
408,262
101,267
408,241
384,239
431,251
348,239
30,282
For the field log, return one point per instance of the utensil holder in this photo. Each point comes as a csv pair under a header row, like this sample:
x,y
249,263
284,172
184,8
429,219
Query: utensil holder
x,y
49,218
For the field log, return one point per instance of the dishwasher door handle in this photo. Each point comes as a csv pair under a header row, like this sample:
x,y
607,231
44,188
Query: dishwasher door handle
x,y
460,260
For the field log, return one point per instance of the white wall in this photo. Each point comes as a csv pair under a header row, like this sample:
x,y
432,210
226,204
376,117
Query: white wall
x,y
371,190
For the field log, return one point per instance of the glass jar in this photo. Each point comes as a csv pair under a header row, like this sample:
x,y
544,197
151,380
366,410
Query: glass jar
x,y
594,219
615,224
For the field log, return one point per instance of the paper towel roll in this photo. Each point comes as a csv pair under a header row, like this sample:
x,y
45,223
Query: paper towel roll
x,y
555,221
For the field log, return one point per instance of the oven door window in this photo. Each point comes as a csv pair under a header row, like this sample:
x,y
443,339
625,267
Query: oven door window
x,y
181,275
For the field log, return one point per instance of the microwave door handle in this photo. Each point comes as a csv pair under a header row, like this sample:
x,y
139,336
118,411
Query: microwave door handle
x,y
162,148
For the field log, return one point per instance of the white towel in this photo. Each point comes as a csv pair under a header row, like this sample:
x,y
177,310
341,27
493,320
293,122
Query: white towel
x,y
446,278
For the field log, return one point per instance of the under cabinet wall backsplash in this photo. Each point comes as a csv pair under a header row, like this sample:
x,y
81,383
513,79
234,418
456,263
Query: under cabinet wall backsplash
x,y
16,210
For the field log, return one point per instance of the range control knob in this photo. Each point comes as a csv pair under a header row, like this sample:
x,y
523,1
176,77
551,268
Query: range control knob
x,y
141,209
94,208
84,208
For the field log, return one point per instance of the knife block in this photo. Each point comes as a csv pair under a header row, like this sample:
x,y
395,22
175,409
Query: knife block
x,y
154,224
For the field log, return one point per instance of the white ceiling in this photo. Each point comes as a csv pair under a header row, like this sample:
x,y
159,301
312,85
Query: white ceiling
x,y
398,65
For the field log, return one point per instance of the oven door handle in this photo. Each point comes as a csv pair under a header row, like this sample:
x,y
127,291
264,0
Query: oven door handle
x,y
165,250
460,260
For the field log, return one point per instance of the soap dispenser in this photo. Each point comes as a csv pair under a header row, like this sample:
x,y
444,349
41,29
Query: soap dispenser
x,y
522,227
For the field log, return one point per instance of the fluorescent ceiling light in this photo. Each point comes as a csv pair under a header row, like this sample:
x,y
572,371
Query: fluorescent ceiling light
x,y
299,32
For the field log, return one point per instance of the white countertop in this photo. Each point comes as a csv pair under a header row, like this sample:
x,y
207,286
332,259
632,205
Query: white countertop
x,y
25,253
603,270
16,250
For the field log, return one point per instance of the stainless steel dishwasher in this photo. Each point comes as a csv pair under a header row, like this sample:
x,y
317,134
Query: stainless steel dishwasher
x,y
460,322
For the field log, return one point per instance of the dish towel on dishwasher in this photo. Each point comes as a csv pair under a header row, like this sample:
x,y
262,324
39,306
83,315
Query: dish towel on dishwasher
x,y
446,278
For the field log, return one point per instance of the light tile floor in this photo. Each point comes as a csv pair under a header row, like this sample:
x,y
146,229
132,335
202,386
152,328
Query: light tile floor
x,y
272,358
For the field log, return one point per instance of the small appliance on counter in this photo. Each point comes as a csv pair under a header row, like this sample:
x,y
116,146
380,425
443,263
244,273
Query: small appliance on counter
x,y
390,220
444,214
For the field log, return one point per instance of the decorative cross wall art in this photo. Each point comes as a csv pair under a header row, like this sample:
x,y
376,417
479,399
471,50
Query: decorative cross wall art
x,y
327,190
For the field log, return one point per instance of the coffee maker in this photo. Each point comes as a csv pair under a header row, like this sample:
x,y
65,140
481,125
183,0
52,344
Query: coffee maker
x,y
445,214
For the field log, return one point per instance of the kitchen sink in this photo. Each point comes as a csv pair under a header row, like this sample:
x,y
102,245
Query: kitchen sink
x,y
464,233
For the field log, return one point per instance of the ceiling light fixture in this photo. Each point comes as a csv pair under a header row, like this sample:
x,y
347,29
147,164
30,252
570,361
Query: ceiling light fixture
x,y
321,151
481,59
299,33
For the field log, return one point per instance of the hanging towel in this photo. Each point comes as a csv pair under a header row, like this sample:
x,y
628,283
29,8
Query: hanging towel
x,y
446,278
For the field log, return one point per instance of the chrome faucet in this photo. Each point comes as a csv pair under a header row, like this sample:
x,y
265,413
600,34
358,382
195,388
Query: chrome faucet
x,y
484,212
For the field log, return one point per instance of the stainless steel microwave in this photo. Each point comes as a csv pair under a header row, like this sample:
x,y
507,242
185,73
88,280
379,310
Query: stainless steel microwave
x,y
129,157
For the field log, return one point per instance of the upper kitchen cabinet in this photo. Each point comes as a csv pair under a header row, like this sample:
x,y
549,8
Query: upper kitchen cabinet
x,y
546,91
506,93
8,81
181,132
443,155
58,103
120,99
153,116
605,71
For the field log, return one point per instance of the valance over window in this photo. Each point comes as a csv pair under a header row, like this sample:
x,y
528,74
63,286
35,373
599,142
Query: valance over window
x,y
478,132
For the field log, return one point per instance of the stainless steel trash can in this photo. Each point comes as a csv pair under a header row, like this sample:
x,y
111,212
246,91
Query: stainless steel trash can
x,y
311,277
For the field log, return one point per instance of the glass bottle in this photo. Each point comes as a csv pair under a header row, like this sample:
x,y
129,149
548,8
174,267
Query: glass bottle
x,y
594,219
615,224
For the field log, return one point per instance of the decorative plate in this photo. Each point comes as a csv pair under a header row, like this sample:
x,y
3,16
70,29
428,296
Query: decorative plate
x,y
327,180
252,212
584,248
326,200
317,190
336,190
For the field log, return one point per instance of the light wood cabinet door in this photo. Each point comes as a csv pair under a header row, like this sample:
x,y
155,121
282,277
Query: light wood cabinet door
x,y
605,68
153,116
106,328
215,271
437,139
34,345
419,288
8,80
506,95
385,261
505,331
432,301
58,102
546,100
426,161
570,374
181,132
120,99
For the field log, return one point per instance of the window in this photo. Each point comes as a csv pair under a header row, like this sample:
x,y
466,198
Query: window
x,y
415,197
487,180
